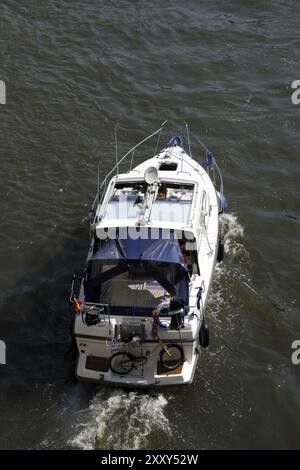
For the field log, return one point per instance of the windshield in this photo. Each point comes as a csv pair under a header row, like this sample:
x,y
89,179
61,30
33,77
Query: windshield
x,y
173,202
125,201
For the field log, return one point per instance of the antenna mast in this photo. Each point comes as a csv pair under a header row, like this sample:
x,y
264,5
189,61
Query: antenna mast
x,y
116,146
188,137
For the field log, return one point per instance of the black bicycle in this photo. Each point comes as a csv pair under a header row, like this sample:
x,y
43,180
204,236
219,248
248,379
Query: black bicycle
x,y
170,357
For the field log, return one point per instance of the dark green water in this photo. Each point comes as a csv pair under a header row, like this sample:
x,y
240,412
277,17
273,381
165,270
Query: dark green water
x,y
71,69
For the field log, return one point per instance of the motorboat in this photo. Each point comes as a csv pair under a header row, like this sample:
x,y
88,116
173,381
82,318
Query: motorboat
x,y
154,242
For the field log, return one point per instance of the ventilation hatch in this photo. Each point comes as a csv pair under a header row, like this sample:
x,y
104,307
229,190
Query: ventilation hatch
x,y
168,166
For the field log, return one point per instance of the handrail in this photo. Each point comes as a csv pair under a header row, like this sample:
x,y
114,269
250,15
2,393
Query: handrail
x,y
221,191
98,304
215,165
159,131
131,150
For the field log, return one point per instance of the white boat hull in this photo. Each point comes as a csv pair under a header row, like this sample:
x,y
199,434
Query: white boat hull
x,y
97,343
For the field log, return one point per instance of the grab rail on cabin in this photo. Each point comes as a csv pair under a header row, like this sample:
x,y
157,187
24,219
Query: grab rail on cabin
x,y
212,168
103,186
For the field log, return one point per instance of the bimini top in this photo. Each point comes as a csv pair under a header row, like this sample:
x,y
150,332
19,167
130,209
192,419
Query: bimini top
x,y
137,273
145,244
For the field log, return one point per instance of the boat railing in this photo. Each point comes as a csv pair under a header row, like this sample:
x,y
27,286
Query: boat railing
x,y
88,306
213,169
212,166
216,170
103,185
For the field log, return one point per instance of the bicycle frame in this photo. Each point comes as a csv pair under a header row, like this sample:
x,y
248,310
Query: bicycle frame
x,y
130,361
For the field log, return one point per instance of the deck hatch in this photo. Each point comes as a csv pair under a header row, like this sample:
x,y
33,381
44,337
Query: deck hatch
x,y
168,166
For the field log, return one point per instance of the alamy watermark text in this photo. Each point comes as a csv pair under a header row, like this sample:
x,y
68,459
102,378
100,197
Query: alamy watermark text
x,y
296,354
2,92
296,94
2,352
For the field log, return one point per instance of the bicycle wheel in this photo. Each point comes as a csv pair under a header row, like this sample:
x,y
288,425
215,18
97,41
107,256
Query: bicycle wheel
x,y
173,358
121,363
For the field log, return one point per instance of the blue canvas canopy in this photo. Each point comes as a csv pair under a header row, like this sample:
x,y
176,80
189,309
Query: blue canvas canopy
x,y
160,258
142,248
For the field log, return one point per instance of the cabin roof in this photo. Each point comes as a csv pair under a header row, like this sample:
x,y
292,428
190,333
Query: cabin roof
x,y
186,183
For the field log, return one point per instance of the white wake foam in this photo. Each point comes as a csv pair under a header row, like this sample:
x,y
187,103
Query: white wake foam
x,y
121,421
232,234
231,270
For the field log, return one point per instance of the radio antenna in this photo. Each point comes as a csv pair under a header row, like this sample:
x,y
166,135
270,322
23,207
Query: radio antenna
x,y
116,146
98,183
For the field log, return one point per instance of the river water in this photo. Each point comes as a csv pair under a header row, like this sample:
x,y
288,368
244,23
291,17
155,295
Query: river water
x,y
71,70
